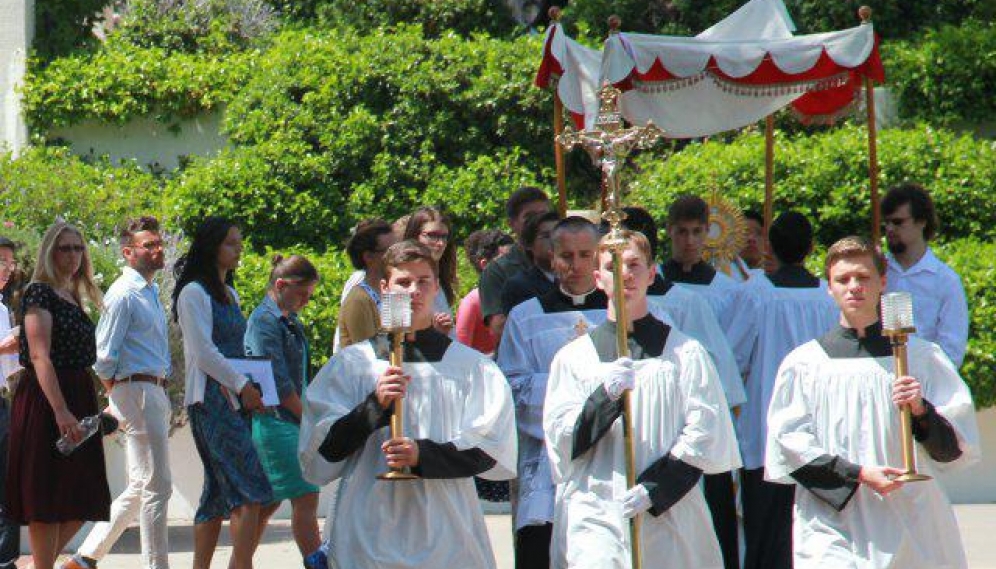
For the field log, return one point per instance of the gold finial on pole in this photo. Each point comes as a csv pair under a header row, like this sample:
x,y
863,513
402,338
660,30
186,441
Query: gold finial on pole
x,y
554,12
865,13
609,144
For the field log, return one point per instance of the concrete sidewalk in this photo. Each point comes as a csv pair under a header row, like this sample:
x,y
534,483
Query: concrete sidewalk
x,y
977,522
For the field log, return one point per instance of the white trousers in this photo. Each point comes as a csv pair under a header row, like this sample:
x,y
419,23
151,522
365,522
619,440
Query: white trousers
x,y
144,411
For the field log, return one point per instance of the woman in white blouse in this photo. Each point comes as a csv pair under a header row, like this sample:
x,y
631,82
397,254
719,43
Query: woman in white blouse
x,y
218,397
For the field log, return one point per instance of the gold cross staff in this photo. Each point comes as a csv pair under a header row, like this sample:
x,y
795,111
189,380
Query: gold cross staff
x,y
609,144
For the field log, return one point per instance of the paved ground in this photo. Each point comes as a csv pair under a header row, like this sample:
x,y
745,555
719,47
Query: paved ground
x,y
977,521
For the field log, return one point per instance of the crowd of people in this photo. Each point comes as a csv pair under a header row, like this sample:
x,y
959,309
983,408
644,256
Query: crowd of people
x,y
770,381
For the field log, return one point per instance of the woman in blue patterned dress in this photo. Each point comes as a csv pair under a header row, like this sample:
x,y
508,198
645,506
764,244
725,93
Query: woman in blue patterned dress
x,y
218,396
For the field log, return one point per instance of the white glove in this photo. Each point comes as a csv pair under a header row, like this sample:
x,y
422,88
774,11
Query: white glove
x,y
619,377
636,501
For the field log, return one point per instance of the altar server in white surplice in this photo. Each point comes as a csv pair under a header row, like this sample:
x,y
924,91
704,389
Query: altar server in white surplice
x,y
689,312
534,332
696,297
774,314
834,432
459,423
680,418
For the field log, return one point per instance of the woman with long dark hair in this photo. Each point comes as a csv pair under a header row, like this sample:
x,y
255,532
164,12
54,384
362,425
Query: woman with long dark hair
x,y
432,228
207,309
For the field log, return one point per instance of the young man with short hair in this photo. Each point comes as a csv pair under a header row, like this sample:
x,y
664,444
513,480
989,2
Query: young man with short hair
x,y
534,332
775,314
680,418
538,278
938,297
834,432
459,423
133,362
688,227
521,204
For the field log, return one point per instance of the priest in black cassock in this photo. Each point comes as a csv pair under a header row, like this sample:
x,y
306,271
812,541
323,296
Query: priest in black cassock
x,y
459,423
834,432
680,418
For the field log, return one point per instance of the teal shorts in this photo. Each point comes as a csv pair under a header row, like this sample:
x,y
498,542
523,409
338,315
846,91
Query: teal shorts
x,y
276,445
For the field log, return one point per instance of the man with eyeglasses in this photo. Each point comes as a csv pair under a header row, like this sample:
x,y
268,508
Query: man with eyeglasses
x,y
939,307
133,362
10,533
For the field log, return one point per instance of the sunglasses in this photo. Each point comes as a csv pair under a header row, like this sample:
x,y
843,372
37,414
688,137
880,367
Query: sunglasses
x,y
70,248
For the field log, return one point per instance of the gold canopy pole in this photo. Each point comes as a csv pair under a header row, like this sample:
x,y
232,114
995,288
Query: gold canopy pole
x,y
610,143
558,128
865,13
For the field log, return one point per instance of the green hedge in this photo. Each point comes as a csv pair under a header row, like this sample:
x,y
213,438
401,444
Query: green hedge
x,y
122,81
332,128
946,76
46,183
826,176
972,259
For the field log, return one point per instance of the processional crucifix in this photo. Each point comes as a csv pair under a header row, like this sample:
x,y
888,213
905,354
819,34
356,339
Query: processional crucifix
x,y
609,144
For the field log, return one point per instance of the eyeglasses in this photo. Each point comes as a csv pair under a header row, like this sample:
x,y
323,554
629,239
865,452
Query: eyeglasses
x,y
895,221
70,248
150,245
435,236
9,265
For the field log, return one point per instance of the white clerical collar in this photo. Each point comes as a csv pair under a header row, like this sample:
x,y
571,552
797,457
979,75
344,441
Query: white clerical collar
x,y
577,299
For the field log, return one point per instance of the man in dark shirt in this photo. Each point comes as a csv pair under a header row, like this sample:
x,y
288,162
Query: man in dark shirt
x,y
520,205
538,278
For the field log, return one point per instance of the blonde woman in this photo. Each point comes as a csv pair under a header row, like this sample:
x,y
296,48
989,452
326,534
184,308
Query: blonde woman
x,y
50,493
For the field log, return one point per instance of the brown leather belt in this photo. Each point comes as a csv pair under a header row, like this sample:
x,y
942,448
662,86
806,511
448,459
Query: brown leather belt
x,y
143,378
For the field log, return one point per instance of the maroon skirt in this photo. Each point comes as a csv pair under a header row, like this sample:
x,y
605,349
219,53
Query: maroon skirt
x,y
42,484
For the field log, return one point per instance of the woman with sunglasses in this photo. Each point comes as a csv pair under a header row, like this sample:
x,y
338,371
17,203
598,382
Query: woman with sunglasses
x,y
432,228
51,493
275,332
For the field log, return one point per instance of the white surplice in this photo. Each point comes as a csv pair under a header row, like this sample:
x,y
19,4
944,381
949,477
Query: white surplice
x,y
462,399
690,313
843,407
530,340
678,408
769,322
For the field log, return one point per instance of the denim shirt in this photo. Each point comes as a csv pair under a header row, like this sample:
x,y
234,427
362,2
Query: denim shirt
x,y
280,338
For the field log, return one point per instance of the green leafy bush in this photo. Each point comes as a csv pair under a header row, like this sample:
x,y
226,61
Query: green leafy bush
x,y
946,76
333,128
436,17
123,81
826,176
893,19
46,183
972,260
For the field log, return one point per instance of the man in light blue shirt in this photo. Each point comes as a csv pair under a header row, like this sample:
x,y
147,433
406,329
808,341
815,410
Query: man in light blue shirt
x,y
940,311
133,361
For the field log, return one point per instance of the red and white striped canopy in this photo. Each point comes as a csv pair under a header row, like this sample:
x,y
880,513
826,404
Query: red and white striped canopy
x,y
742,69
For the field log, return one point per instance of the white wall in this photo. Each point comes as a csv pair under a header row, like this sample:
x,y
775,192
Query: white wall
x,y
146,140
16,31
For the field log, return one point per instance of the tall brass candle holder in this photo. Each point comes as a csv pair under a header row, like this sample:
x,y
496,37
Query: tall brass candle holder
x,y
897,324
609,144
396,320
